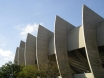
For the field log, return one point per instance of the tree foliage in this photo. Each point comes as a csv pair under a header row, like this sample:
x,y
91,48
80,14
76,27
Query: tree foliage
x,y
9,70
28,72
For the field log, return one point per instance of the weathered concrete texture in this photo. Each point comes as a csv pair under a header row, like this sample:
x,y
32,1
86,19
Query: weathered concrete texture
x,y
21,53
42,47
16,56
51,46
30,50
89,22
100,34
62,28
75,38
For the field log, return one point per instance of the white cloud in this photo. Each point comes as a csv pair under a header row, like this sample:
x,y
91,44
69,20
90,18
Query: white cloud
x,y
30,28
6,53
5,56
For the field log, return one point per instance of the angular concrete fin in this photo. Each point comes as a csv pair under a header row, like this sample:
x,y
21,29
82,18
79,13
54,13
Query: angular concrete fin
x,y
88,11
42,47
90,21
22,44
63,22
62,28
45,49
50,33
21,53
16,56
30,50
30,35
30,38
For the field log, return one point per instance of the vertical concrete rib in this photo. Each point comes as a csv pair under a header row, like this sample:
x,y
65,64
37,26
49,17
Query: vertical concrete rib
x,y
21,53
42,47
62,28
16,56
30,50
90,21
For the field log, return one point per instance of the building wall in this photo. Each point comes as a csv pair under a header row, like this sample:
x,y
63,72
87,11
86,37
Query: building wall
x,y
65,38
51,46
30,50
100,34
89,22
16,56
62,28
21,53
43,47
75,38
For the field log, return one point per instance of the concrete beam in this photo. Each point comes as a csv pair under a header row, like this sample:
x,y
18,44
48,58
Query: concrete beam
x,y
90,20
62,28
75,38
30,50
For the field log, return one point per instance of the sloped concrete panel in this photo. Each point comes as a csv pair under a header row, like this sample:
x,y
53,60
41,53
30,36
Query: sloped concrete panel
x,y
30,50
89,22
16,56
62,28
21,53
42,47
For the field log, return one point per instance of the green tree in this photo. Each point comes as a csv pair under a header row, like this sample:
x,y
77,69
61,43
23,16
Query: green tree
x,y
30,71
9,70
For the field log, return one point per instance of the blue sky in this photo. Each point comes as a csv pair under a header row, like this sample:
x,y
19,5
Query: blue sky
x,y
18,17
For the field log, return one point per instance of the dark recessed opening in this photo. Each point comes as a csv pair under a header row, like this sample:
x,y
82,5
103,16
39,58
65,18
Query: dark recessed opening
x,y
101,54
78,61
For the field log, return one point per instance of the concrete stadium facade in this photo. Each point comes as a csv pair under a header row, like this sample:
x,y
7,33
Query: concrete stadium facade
x,y
30,50
21,53
76,52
